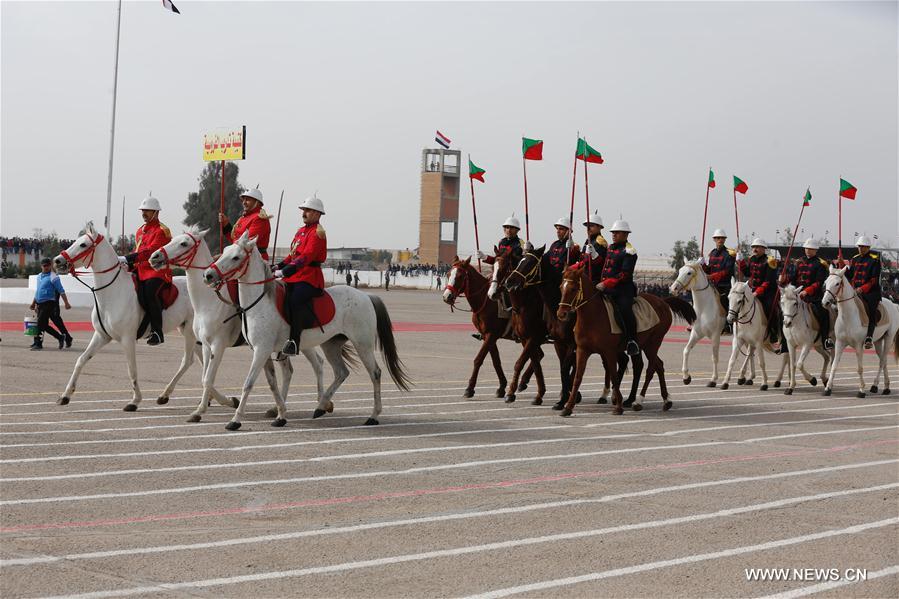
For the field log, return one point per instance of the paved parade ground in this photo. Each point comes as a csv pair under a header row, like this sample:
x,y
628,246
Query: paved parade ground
x,y
447,497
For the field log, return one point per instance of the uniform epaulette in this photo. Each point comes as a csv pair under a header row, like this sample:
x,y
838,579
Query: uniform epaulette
x,y
873,255
823,262
165,229
733,253
522,243
630,249
320,231
601,240
264,214
772,261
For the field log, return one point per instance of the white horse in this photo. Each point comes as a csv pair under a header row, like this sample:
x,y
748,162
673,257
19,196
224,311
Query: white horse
x,y
216,322
747,314
709,314
850,332
361,318
800,334
117,313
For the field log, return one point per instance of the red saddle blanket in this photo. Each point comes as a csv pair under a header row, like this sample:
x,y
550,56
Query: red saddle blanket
x,y
322,306
168,293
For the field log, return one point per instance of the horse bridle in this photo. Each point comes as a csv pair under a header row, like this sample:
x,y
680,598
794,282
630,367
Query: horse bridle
x,y
839,289
538,268
186,259
463,290
736,312
579,300
708,282
91,251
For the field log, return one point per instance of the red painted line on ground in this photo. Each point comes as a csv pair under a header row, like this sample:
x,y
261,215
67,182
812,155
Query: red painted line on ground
x,y
439,490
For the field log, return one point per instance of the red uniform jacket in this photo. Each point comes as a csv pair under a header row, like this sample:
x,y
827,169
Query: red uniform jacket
x,y
308,250
258,227
150,237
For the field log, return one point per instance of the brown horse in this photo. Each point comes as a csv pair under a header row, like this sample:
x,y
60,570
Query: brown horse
x,y
593,334
464,279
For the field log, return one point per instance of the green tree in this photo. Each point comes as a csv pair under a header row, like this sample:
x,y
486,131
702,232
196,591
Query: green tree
x,y
683,252
202,207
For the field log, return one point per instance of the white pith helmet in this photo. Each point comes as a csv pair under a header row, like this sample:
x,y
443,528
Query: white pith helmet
x,y
313,203
863,240
620,226
758,242
719,233
564,222
810,244
150,203
512,222
256,194
595,219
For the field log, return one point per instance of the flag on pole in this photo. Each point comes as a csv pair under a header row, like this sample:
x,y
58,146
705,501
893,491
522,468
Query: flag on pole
x,y
532,149
711,179
443,140
586,153
807,199
739,185
475,172
167,4
847,189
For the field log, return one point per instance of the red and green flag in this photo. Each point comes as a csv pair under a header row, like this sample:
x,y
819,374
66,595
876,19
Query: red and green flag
x,y
807,199
739,184
587,153
711,179
475,172
532,149
847,189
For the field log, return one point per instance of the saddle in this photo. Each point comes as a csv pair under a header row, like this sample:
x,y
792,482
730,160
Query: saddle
x,y
167,294
879,315
645,314
323,308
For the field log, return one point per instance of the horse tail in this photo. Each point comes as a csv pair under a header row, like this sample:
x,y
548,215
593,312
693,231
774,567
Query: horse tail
x,y
681,308
896,346
388,345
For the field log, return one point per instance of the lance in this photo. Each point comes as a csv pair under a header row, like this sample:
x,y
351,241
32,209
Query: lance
x,y
709,184
122,241
222,210
743,190
571,209
527,224
840,226
474,215
277,224
587,195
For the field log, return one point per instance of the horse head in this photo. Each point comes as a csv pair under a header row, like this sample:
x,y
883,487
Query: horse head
x,y
789,304
572,290
457,280
834,286
685,277
234,261
180,251
526,271
80,253
740,294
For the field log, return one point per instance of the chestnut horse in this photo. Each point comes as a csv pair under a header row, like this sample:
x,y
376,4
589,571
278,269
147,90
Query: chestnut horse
x,y
464,279
593,335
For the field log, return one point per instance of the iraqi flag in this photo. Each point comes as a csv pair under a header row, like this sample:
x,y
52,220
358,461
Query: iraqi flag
x,y
167,4
443,140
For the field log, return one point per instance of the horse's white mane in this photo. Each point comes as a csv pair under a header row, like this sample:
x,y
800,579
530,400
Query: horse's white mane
x,y
789,289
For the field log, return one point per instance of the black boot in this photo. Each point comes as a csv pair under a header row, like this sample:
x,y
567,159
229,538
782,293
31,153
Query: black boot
x,y
632,349
68,341
37,344
155,338
291,348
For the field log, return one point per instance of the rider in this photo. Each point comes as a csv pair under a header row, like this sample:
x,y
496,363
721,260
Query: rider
x,y
761,271
510,242
595,247
562,253
720,268
864,274
809,275
617,281
254,219
151,236
302,270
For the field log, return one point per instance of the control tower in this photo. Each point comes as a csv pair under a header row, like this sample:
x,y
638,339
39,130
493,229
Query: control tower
x,y
438,228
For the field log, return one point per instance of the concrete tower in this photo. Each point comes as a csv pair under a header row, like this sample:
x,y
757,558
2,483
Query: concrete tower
x,y
438,229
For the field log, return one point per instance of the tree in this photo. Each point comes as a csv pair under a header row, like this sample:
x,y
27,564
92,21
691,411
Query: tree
x,y
683,252
202,207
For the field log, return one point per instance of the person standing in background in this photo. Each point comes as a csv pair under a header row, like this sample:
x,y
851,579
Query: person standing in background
x,y
46,302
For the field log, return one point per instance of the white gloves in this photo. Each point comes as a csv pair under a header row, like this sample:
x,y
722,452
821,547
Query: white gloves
x,y
739,255
702,261
278,274
591,251
123,260
569,243
481,255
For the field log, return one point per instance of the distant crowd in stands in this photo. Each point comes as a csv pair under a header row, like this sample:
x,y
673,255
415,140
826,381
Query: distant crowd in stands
x,y
409,270
33,247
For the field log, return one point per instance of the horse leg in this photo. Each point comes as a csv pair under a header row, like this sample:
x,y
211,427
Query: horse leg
x,y
190,344
860,358
332,350
735,347
685,369
516,372
881,348
367,355
564,372
497,366
637,362
886,364
761,353
617,398
838,348
800,363
280,415
580,367
526,377
663,386
478,360
825,355
212,358
258,362
716,347
129,344
786,365
536,361
607,385
96,342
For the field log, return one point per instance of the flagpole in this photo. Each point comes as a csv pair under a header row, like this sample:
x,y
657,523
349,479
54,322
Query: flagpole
x,y
793,240
474,216
571,210
115,85
527,224
587,196
840,226
122,244
277,225
705,217
222,210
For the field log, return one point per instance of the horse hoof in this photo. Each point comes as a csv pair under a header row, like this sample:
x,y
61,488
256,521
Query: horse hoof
x,y
638,407
813,382
271,412
131,407
711,384
860,395
741,381
565,413
537,402
235,403
725,386
885,392
510,399
162,400
501,392
62,401
559,406
279,422
577,398
827,392
777,383
763,388
617,411
318,413
522,387
667,406
371,422
688,380
602,400
627,403
194,418
232,426
469,393
873,388
748,383
788,391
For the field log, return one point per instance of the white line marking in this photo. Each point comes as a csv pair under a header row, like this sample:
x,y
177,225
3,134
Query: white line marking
x,y
415,470
413,557
826,586
44,559
418,450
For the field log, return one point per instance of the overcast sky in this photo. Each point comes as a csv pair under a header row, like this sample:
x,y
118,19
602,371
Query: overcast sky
x,y
341,98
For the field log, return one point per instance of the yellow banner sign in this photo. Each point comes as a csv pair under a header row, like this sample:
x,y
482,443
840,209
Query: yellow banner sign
x,y
225,144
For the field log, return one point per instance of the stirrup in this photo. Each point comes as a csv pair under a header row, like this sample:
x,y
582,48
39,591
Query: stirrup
x,y
154,339
290,348
828,344
869,343
632,349
477,336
